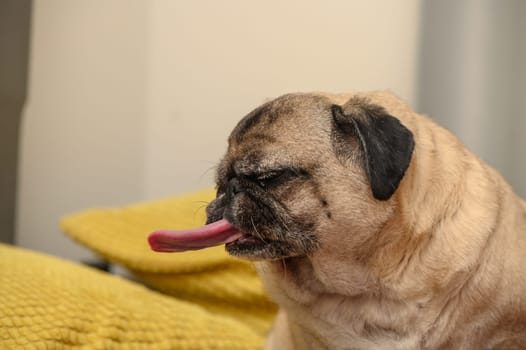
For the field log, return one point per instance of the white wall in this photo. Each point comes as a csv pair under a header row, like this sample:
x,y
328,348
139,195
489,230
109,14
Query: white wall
x,y
211,62
132,99
83,130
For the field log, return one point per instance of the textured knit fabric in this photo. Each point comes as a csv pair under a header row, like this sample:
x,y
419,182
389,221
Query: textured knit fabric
x,y
205,300
48,303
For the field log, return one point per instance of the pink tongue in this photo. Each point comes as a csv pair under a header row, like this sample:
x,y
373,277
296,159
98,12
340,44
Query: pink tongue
x,y
216,233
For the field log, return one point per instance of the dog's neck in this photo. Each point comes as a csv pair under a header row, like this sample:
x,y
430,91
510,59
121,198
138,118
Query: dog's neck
x,y
338,306
302,280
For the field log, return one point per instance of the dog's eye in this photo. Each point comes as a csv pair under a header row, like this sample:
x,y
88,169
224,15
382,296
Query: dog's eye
x,y
274,178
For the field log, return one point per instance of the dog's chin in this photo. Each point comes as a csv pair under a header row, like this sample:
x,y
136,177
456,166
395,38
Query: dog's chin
x,y
261,242
252,248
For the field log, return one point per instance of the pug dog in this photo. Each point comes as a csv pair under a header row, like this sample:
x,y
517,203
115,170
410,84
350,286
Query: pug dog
x,y
371,227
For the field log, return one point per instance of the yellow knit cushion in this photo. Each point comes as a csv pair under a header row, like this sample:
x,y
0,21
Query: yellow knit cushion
x,y
48,303
209,278
119,234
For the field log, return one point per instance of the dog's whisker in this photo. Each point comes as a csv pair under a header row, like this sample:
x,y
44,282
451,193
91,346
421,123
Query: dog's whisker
x,y
284,264
213,167
198,210
256,231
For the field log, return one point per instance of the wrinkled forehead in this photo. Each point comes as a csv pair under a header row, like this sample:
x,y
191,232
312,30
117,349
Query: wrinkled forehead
x,y
281,131
280,118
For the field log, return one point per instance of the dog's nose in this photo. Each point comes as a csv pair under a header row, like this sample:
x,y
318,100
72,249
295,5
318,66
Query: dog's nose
x,y
234,187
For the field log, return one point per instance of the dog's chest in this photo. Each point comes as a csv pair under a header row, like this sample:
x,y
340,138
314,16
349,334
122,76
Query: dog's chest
x,y
344,323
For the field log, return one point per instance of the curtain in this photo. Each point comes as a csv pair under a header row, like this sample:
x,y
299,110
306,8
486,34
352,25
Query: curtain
x,y
472,78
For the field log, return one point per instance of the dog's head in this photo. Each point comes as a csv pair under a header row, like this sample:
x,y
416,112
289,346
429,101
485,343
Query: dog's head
x,y
303,174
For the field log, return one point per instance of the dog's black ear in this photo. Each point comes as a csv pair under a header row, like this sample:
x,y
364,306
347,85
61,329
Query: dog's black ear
x,y
386,144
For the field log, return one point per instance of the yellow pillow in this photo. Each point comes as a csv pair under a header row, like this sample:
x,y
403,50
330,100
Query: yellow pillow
x,y
48,303
210,278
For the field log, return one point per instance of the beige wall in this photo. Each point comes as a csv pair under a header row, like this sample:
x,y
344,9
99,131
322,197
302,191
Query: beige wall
x,y
83,131
132,100
213,61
